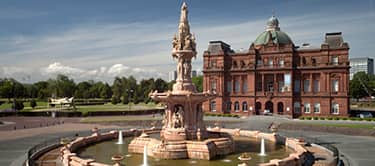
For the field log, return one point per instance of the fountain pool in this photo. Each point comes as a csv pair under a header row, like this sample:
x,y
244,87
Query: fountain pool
x,y
103,151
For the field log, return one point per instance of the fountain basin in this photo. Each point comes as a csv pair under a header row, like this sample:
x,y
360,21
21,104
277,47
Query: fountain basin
x,y
84,151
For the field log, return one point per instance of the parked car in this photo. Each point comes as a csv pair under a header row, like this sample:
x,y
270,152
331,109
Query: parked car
x,y
267,112
365,115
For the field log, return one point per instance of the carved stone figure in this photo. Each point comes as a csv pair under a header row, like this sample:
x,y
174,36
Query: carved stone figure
x,y
180,68
187,43
175,43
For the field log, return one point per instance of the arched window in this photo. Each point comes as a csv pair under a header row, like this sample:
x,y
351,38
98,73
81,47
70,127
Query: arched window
x,y
297,107
213,106
229,106
244,106
335,108
317,108
236,106
306,108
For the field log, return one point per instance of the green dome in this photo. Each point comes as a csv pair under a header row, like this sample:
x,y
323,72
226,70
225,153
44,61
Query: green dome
x,y
273,32
277,37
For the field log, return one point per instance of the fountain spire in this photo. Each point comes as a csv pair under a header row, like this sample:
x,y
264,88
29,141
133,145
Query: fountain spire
x,y
184,49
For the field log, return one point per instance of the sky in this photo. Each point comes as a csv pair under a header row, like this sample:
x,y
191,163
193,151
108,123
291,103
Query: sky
x,y
99,40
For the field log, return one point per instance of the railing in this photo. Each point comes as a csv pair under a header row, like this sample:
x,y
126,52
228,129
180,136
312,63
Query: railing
x,y
34,152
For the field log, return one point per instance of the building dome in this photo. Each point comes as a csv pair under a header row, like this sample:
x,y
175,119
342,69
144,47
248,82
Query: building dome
x,y
273,33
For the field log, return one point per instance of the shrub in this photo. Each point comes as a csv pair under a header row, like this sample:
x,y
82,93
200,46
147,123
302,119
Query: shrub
x,y
32,103
344,118
301,118
329,118
322,118
114,100
18,105
308,118
336,118
315,118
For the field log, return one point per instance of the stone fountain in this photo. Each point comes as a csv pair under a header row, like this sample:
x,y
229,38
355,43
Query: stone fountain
x,y
184,134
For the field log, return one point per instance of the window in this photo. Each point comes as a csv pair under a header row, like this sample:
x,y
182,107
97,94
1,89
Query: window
x,y
229,86
213,106
213,86
297,107
259,61
306,85
313,61
229,106
281,86
335,85
237,86
335,108
281,62
297,86
287,81
317,108
236,106
316,86
213,63
244,106
306,108
270,62
335,60
259,84
244,86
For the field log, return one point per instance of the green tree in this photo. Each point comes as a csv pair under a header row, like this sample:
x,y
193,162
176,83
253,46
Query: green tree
x,y
198,82
42,89
18,105
117,90
361,85
32,103
106,92
6,89
82,90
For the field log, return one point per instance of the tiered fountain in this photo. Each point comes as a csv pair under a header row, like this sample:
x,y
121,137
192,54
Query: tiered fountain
x,y
184,134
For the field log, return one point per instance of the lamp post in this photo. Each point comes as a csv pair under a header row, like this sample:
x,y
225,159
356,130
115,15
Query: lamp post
x,y
130,91
14,96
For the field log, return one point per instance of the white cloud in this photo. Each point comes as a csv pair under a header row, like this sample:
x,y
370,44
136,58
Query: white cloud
x,y
101,74
102,51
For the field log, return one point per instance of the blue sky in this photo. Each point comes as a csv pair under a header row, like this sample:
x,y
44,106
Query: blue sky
x,y
96,39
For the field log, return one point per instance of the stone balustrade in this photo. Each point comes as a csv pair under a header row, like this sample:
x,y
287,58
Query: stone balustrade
x,y
298,157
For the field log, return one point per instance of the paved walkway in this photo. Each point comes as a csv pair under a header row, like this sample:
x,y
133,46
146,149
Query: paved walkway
x,y
359,150
15,144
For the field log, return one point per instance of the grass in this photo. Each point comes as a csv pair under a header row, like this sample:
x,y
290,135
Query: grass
x,y
118,119
344,125
117,107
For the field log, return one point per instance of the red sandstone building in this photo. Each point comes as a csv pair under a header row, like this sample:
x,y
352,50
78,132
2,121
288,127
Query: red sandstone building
x,y
276,76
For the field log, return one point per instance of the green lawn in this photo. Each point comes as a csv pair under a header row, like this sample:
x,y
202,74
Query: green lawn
x,y
345,125
39,105
118,119
117,107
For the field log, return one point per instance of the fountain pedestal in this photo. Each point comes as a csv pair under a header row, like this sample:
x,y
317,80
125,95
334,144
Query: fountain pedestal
x,y
184,134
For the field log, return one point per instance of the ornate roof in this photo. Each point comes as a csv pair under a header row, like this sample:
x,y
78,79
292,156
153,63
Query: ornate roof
x,y
273,33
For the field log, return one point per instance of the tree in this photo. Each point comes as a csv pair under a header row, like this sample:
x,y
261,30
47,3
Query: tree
x,y
361,85
18,105
160,85
106,92
32,103
65,86
42,89
198,82
117,90
82,90
6,89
